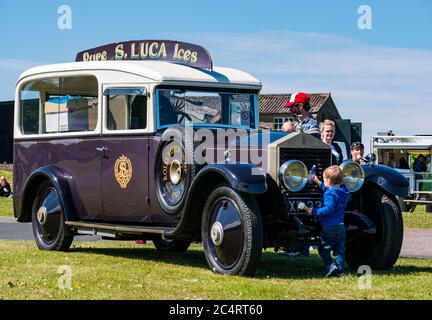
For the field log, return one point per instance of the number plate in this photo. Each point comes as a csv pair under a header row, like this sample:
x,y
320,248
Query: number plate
x,y
292,204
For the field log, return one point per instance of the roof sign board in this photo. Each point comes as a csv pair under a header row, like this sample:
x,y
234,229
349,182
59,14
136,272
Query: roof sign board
x,y
163,50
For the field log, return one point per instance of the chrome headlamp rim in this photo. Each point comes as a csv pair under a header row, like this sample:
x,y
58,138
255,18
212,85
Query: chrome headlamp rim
x,y
352,183
288,175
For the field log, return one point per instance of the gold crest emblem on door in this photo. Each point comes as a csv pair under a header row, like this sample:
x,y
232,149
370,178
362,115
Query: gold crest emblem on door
x,y
123,171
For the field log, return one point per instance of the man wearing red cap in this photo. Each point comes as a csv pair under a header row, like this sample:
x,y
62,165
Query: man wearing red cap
x,y
299,105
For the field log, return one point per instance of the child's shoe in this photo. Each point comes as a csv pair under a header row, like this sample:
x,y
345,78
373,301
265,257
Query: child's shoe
x,y
332,270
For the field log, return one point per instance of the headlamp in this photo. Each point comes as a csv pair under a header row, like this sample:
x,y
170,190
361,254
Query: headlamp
x,y
353,175
294,175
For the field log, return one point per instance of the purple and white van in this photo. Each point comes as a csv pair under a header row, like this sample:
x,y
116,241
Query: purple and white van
x,y
148,140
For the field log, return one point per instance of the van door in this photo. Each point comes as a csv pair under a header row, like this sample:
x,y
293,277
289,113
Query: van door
x,y
124,148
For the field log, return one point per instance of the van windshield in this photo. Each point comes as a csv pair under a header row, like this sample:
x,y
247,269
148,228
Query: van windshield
x,y
218,108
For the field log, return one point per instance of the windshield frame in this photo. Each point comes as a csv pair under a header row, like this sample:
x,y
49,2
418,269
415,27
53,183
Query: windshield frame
x,y
254,125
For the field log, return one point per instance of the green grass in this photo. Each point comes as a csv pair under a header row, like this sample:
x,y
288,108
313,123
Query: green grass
x,y
6,207
124,270
419,219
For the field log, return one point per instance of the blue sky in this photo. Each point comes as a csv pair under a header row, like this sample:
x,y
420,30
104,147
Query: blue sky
x,y
375,76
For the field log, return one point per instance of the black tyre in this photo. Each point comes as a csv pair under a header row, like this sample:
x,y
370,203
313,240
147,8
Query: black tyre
x,y
405,207
174,168
48,225
429,208
232,232
380,251
171,245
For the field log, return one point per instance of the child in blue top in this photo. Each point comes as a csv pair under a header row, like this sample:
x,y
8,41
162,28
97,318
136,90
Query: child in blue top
x,y
331,218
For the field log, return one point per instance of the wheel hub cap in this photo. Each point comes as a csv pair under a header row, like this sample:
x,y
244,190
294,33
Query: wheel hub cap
x,y
175,172
217,233
42,215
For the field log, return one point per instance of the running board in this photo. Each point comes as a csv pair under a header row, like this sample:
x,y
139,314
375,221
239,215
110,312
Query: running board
x,y
113,230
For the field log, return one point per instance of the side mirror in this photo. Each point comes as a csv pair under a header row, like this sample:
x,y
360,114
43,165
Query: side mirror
x,y
370,159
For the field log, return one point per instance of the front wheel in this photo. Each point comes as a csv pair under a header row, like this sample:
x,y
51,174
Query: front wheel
x,y
48,225
381,250
232,232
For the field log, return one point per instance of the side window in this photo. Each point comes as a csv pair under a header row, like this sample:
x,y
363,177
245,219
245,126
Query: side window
x,y
241,113
59,105
78,102
33,96
127,112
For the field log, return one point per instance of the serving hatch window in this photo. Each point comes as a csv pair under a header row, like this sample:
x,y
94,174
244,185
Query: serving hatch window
x,y
59,104
220,108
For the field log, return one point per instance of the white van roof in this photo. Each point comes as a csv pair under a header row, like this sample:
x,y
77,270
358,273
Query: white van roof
x,y
158,71
402,142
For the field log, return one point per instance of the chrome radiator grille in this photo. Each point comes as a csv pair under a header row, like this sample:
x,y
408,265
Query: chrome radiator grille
x,y
318,157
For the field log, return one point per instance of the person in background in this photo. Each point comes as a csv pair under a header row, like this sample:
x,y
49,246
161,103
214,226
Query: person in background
x,y
5,188
357,152
300,106
328,131
288,126
420,165
403,163
331,218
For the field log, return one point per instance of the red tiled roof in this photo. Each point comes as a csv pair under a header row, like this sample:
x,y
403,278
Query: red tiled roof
x,y
274,103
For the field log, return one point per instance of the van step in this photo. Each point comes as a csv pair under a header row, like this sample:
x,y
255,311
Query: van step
x,y
85,227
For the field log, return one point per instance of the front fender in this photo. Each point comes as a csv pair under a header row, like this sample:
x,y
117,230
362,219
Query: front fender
x,y
57,179
387,178
246,177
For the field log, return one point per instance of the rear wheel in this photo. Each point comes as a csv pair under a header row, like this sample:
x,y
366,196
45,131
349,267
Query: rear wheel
x,y
171,245
48,225
232,232
380,250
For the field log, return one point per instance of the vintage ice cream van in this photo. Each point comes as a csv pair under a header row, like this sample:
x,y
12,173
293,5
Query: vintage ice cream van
x,y
148,140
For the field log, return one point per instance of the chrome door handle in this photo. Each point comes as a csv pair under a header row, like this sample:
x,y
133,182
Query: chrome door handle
x,y
102,149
